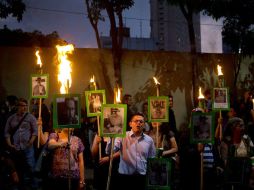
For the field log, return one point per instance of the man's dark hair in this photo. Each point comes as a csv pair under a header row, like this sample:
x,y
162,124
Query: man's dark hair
x,y
137,114
23,100
13,100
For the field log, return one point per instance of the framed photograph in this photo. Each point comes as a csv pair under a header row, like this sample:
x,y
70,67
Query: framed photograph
x,y
67,111
113,120
158,108
39,85
202,127
94,101
158,173
221,99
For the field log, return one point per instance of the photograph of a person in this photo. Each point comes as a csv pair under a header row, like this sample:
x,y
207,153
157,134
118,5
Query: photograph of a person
x,y
94,101
202,127
39,86
66,111
113,122
221,99
158,173
158,108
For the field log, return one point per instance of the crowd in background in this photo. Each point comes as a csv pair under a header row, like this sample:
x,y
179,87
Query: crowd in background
x,y
226,163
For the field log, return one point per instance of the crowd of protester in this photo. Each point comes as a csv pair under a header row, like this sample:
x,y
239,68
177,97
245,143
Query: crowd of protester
x,y
226,163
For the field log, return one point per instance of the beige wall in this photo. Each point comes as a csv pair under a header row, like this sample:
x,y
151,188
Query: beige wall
x,y
173,70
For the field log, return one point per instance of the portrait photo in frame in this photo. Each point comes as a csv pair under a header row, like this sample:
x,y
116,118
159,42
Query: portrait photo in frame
x,y
202,127
221,99
158,108
39,85
94,101
158,173
67,111
113,120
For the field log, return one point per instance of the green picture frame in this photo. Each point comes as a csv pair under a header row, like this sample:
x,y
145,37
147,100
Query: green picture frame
x,y
158,108
94,101
66,111
221,99
202,127
159,173
113,120
39,85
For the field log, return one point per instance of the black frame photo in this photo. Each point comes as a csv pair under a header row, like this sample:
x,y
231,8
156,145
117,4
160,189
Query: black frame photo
x,y
221,99
113,120
39,85
94,101
67,111
158,173
202,127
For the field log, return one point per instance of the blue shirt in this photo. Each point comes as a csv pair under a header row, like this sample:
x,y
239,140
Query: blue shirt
x,y
134,152
23,134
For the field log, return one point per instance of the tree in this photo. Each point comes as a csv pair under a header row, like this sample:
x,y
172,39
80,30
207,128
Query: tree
x,y
114,10
36,38
237,29
188,9
15,8
94,15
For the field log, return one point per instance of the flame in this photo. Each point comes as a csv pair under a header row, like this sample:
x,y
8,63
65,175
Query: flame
x,y
201,96
155,80
38,58
219,70
64,67
92,80
118,95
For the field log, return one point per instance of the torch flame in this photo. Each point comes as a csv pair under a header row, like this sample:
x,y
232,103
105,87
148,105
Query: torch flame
x,y
155,80
219,70
92,79
201,96
64,75
118,96
38,58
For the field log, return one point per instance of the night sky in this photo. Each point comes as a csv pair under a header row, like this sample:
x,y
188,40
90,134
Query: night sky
x,y
69,19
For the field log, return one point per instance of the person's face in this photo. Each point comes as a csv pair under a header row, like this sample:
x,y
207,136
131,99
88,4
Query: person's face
x,y
22,107
231,113
113,112
137,124
70,108
128,101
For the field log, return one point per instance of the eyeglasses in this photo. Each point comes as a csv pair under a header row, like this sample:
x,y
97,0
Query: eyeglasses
x,y
136,121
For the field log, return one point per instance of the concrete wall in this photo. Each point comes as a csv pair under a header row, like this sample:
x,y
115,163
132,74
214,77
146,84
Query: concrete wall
x,y
173,70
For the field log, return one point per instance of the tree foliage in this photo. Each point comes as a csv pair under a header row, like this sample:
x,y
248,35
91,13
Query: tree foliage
x,y
14,8
114,10
237,31
27,39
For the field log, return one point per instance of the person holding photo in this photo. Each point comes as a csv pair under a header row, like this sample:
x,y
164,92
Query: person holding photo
x,y
65,149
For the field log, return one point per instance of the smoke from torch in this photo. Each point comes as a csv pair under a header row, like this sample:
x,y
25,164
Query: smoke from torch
x,y
64,67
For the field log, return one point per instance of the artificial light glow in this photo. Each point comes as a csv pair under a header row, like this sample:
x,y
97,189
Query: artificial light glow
x,y
38,58
64,67
219,70
201,96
